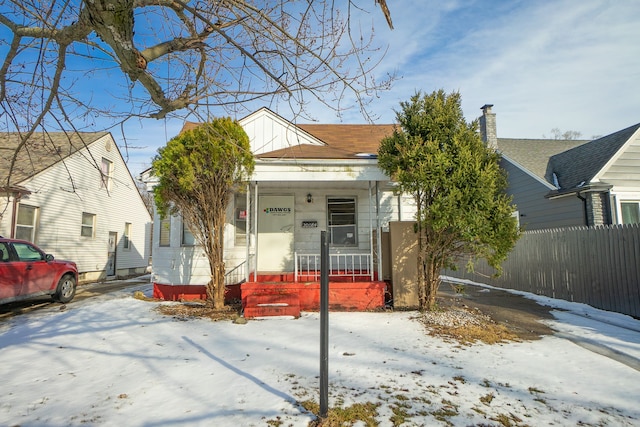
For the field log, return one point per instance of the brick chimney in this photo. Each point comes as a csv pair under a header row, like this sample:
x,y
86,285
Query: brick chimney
x,y
488,127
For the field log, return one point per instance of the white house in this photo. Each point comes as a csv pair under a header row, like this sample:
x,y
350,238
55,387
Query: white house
x,y
307,178
73,195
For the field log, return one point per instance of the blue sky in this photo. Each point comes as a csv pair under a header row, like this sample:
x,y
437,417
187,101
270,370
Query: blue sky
x,y
544,64
572,65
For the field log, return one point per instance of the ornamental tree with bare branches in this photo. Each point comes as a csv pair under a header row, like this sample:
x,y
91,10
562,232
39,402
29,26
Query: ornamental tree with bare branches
x,y
66,63
198,172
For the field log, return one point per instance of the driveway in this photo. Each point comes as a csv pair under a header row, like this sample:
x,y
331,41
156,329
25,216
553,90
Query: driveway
x,y
83,292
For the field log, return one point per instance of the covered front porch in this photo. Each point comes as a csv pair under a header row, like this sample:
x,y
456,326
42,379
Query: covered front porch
x,y
351,288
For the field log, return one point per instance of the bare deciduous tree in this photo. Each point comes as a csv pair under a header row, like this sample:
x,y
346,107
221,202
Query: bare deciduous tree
x,y
570,135
66,63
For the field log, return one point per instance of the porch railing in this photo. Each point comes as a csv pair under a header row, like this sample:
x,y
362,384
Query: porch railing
x,y
354,265
238,274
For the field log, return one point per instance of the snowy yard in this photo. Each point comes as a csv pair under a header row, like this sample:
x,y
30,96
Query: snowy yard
x,y
114,360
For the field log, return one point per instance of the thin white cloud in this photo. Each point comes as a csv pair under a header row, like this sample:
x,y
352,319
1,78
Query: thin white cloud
x,y
544,64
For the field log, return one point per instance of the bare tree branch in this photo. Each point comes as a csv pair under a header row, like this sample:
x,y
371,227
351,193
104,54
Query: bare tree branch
x,y
158,57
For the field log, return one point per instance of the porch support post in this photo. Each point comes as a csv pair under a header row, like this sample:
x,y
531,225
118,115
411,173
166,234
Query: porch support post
x,y
247,265
370,236
378,233
255,215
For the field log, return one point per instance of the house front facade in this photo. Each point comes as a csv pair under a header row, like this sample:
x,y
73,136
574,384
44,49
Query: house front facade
x,y
73,195
307,178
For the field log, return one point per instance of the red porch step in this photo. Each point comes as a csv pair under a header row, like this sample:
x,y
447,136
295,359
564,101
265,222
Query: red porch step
x,y
276,304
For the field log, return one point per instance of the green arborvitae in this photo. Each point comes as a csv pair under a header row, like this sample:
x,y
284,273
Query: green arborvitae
x,y
458,186
198,172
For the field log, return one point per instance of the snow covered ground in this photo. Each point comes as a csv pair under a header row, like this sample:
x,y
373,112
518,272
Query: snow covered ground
x,y
113,360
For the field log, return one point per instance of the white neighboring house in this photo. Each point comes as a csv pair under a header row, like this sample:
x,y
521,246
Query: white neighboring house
x,y
73,195
307,178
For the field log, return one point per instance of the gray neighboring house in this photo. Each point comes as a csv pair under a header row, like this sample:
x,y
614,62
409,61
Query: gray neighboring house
x,y
73,195
558,183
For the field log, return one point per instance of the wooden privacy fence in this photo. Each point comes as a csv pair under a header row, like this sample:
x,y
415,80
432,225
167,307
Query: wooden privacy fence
x,y
599,266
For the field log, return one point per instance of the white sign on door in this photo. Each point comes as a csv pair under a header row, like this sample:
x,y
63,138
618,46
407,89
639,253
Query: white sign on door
x,y
275,233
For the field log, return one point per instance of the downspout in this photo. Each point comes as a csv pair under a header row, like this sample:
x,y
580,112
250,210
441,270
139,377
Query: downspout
x,y
247,264
370,236
613,209
586,211
255,211
378,232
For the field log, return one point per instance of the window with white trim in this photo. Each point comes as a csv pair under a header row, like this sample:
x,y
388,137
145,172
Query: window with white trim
x,y
240,219
88,224
127,235
630,212
342,220
106,174
165,232
187,236
26,222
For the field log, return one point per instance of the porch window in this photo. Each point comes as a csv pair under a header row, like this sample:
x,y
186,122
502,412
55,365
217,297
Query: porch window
x,y
240,219
342,220
187,235
26,222
88,224
630,212
127,235
165,232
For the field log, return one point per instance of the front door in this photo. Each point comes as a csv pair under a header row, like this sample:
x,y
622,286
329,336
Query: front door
x,y
111,254
275,233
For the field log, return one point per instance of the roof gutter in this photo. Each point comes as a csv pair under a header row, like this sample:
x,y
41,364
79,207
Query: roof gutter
x,y
591,188
320,162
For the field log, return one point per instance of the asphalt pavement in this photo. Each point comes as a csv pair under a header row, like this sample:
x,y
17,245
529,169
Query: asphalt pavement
x,y
83,292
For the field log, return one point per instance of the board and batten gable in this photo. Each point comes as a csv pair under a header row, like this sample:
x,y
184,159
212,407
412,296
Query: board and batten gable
x,y
269,132
73,185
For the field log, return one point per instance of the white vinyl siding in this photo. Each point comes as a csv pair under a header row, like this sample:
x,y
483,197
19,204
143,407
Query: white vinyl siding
x,y
71,187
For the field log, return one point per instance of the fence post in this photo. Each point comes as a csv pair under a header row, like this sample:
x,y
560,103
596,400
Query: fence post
x,y
324,325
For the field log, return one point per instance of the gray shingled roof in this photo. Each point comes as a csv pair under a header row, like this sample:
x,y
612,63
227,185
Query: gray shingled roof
x,y
580,164
534,154
40,152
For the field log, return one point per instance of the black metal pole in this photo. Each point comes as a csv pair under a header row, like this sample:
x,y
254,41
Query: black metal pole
x,y
324,325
